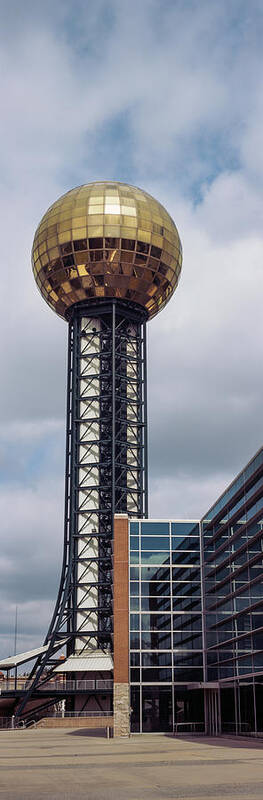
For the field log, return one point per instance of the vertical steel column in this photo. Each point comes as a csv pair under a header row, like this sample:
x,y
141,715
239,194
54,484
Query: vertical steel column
x,y
74,476
113,401
145,430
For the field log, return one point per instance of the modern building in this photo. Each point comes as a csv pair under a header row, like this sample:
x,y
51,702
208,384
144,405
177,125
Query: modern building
x,y
232,556
158,624
196,615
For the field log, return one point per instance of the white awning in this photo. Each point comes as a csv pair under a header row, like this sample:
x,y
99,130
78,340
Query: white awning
x,y
21,658
92,662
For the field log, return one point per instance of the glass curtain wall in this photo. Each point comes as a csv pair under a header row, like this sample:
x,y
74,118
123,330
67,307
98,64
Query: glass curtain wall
x,y
166,653
232,534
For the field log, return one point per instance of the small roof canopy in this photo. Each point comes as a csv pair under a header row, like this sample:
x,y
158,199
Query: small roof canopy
x,y
95,661
21,658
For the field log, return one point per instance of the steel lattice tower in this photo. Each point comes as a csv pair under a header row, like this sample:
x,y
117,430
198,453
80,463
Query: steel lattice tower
x,y
106,257
106,468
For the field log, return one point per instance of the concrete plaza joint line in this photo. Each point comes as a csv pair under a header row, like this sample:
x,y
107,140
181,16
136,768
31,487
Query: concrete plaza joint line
x,y
72,764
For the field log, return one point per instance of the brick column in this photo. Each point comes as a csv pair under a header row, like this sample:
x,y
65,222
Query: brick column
x,y
121,697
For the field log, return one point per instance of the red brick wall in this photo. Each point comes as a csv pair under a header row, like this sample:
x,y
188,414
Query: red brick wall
x,y
121,599
75,722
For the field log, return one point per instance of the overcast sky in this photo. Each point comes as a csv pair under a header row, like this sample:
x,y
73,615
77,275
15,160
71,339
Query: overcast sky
x,y
166,95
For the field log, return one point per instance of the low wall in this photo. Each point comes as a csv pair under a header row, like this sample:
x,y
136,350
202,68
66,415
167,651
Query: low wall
x,y
75,722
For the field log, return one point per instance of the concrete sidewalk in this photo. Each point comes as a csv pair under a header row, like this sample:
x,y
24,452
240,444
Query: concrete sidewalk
x,y
67,764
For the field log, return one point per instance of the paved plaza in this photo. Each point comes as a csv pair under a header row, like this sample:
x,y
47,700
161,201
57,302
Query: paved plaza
x,y
69,764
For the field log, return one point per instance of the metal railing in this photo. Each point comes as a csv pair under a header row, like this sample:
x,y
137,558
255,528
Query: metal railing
x,y
57,686
240,729
24,723
70,714
189,727
10,723
5,723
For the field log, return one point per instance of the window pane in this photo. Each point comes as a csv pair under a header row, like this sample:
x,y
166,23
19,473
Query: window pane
x,y
134,527
134,542
155,558
156,675
155,573
135,641
134,588
134,604
135,675
156,641
134,622
185,528
134,573
156,603
155,528
134,557
155,588
155,543
156,659
155,622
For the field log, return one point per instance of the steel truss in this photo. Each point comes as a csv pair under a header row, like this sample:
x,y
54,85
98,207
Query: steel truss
x,y
106,470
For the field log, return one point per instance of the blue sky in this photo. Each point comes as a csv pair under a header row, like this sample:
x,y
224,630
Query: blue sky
x,y
167,96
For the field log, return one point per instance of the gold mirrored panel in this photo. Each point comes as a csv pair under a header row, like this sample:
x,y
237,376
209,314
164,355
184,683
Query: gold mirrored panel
x,y
107,239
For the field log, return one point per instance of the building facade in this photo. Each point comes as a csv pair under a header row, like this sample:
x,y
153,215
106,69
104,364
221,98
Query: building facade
x,y
195,658
166,643
187,623
232,543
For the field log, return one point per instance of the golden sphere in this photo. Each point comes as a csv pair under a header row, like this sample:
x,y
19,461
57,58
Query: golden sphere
x,y
106,239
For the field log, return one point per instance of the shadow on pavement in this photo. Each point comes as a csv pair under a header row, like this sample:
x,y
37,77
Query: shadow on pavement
x,y
221,741
95,732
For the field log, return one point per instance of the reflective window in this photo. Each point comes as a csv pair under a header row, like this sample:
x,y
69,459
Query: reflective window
x,y
134,527
155,557
155,574
157,659
134,558
155,641
135,659
156,675
155,528
134,542
134,603
184,528
241,559
156,603
156,622
152,586
134,588
135,641
155,543
134,573
155,588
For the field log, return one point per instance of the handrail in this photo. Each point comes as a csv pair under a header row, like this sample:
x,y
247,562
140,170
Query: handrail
x,y
189,727
57,685
91,714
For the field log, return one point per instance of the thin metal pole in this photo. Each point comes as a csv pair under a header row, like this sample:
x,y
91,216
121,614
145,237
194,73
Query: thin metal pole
x,y
255,706
145,422
15,632
113,433
73,544
15,647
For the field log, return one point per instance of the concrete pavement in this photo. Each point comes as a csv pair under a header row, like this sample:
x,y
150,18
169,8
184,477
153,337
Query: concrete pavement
x,y
67,764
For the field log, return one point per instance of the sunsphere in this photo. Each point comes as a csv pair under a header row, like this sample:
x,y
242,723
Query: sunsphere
x,y
106,257
106,240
